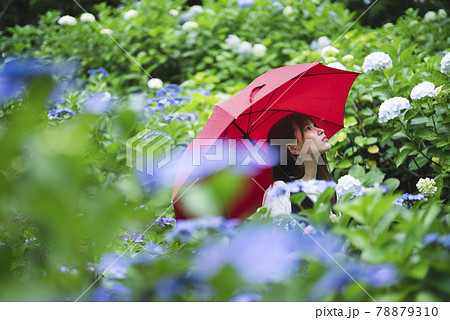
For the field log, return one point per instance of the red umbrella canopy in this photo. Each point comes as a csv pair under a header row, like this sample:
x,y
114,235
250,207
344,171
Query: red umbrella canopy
x,y
311,88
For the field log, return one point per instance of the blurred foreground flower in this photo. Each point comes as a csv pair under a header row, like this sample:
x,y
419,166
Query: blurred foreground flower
x,y
445,63
113,265
430,16
336,278
98,103
110,292
244,49
427,186
391,108
257,253
185,229
233,41
376,61
67,20
444,240
424,89
348,184
310,186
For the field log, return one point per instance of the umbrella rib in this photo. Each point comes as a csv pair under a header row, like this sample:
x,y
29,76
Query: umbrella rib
x,y
249,116
254,128
291,111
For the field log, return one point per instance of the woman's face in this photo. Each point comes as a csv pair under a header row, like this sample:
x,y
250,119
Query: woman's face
x,y
313,141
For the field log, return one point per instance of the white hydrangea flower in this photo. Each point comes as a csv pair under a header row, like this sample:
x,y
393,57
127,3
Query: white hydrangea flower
x,y
67,20
155,83
87,17
174,12
376,61
130,14
442,13
336,65
259,50
233,42
329,51
305,14
348,184
424,89
189,25
244,49
106,31
347,58
322,42
388,25
288,11
195,10
445,63
391,108
430,16
329,60
426,186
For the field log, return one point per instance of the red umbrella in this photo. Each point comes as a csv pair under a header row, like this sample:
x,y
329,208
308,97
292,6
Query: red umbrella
x,y
310,88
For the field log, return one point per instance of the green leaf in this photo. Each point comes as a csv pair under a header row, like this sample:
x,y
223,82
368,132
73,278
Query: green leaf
x,y
401,157
418,162
357,172
392,183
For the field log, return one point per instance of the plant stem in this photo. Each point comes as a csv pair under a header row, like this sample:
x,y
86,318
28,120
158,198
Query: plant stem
x,y
432,117
387,80
386,157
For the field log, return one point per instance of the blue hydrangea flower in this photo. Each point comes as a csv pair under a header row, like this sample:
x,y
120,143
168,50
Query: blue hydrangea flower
x,y
203,92
114,266
114,292
257,253
99,103
246,297
101,70
409,197
336,278
59,113
155,249
244,4
169,90
444,240
152,133
187,116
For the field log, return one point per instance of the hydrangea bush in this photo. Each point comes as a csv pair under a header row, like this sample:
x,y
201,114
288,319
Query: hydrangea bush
x,y
73,210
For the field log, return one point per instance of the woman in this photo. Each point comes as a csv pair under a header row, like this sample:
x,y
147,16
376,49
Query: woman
x,y
305,161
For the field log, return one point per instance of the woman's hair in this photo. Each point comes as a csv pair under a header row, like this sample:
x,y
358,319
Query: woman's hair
x,y
286,129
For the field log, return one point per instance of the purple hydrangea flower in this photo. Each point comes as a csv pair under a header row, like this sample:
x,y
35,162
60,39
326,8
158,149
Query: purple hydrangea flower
x,y
101,70
134,236
59,113
30,241
164,221
155,249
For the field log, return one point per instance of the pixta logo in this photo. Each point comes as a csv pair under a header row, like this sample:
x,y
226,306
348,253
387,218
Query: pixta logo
x,y
148,151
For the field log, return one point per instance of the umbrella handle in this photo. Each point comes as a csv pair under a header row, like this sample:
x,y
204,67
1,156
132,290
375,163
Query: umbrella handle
x,y
254,91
